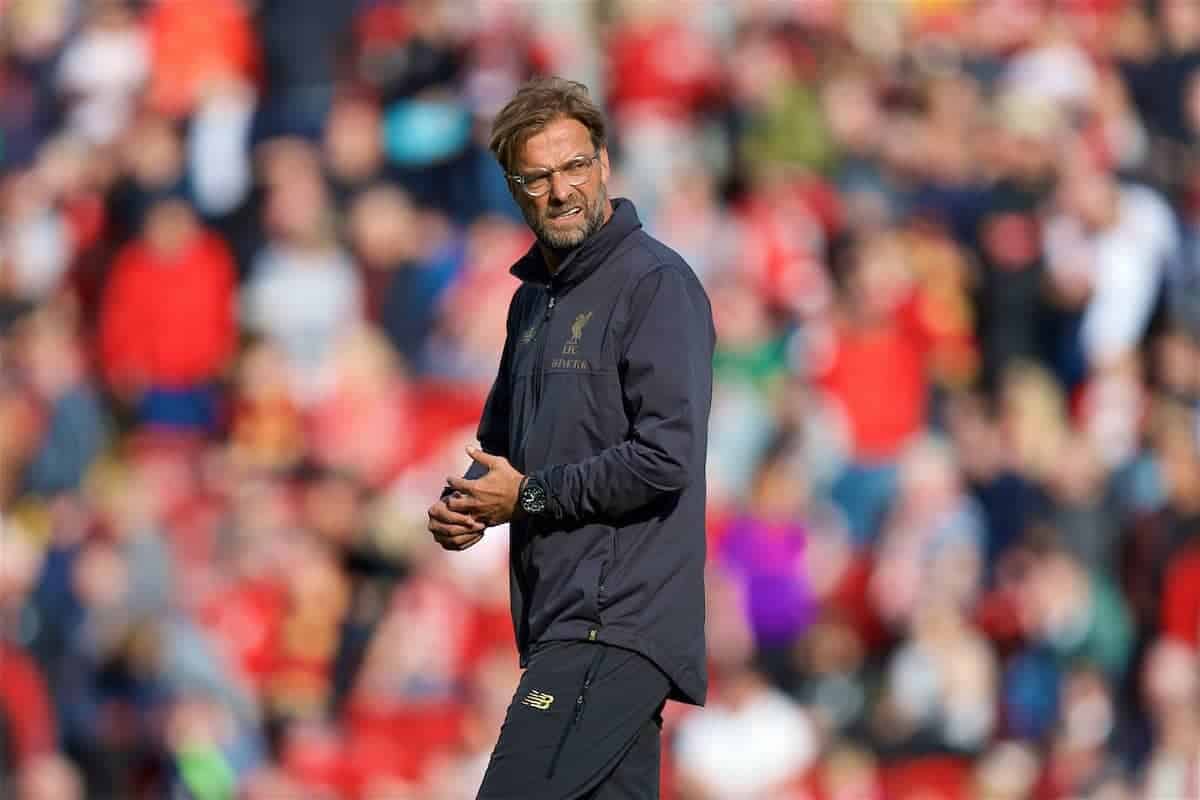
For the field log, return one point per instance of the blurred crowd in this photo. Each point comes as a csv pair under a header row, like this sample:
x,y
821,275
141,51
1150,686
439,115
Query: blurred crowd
x,y
253,279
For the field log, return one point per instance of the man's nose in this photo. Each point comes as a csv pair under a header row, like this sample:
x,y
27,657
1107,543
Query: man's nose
x,y
560,187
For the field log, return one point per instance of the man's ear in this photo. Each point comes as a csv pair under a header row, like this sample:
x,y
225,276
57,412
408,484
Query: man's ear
x,y
604,168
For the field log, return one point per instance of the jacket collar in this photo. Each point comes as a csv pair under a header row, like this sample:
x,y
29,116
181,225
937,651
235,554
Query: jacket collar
x,y
584,259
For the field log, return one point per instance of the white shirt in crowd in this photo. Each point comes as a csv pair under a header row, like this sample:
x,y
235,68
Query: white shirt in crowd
x,y
1124,265
304,302
749,751
102,71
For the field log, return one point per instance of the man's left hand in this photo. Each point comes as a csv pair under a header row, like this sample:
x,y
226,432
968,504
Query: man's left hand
x,y
492,498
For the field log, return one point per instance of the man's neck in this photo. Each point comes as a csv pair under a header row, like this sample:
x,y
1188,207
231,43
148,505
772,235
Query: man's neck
x,y
553,257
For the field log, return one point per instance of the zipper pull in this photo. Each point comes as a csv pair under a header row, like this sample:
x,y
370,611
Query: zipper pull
x,y
551,304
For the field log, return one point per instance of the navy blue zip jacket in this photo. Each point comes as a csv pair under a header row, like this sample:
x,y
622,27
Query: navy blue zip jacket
x,y
603,393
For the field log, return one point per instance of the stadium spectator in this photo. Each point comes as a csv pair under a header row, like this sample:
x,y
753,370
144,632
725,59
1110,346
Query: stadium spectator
x,y
167,325
252,287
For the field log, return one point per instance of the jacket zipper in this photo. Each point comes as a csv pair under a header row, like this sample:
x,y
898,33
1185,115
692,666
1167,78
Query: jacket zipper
x,y
543,328
541,354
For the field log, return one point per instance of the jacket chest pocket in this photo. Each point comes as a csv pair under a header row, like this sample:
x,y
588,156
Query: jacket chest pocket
x,y
581,413
590,395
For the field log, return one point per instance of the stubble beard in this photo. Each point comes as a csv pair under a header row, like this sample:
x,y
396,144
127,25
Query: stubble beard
x,y
593,214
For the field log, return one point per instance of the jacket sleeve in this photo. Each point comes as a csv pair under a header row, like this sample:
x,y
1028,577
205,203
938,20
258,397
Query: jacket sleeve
x,y
667,391
493,424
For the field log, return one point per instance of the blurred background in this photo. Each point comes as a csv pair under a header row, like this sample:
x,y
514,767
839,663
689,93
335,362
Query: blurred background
x,y
253,279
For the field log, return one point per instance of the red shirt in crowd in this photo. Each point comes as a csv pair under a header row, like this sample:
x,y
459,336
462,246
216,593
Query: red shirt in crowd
x,y
168,321
661,66
194,44
881,374
877,374
24,705
1181,599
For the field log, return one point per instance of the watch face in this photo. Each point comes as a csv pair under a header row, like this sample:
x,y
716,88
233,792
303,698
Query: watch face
x,y
533,499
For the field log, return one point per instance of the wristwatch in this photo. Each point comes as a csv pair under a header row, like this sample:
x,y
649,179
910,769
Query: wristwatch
x,y
532,496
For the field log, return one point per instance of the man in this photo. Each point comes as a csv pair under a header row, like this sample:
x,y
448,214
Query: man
x,y
593,442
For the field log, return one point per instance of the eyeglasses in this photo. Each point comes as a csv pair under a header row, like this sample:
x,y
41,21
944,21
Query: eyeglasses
x,y
577,170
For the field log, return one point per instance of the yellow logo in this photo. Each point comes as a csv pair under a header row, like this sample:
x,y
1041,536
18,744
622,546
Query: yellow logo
x,y
572,345
539,700
578,325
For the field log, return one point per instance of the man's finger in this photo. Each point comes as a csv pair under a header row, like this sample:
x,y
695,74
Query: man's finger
x,y
454,537
462,484
486,459
461,542
443,512
453,533
452,529
464,505
477,510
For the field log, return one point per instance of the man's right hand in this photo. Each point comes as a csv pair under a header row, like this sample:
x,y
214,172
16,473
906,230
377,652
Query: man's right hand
x,y
452,530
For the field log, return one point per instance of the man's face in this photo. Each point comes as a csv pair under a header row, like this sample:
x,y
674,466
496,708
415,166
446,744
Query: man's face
x,y
170,226
565,215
